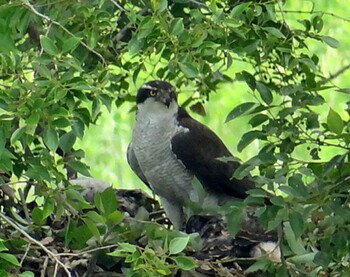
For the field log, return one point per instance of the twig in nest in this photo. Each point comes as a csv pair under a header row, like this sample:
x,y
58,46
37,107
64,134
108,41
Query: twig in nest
x,y
43,270
31,239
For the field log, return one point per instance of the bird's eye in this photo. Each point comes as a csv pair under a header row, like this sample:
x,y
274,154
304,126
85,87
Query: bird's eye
x,y
153,93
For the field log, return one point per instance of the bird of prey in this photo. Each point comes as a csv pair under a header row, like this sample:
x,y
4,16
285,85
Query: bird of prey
x,y
169,149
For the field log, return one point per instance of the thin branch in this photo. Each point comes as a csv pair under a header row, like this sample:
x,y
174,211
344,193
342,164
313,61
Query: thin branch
x,y
24,204
319,12
281,11
25,253
14,183
333,76
118,5
80,253
43,270
199,4
31,239
31,7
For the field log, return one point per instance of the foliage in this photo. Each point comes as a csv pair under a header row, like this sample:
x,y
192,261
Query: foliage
x,y
61,62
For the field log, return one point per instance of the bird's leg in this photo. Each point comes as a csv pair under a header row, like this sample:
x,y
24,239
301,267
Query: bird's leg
x,y
174,212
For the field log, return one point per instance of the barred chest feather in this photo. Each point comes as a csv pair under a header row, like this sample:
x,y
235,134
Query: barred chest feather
x,y
151,141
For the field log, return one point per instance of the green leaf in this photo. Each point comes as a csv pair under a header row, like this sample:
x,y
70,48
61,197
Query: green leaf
x,y
294,243
135,45
177,26
238,9
122,249
78,128
297,183
317,23
70,44
50,137
9,258
334,122
48,45
336,162
178,244
159,5
115,217
248,78
26,274
48,208
95,217
79,167
185,263
239,110
93,228
2,246
106,201
258,120
274,31
234,220
297,223
16,135
332,42
288,190
145,28
67,141
259,265
37,216
248,138
264,92
33,119
189,70
322,259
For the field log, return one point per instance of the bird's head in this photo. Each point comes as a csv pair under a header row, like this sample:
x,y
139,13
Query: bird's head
x,y
156,92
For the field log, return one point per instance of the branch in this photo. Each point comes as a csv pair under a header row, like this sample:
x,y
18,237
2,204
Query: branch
x,y
81,253
335,75
31,239
118,5
31,7
319,12
199,4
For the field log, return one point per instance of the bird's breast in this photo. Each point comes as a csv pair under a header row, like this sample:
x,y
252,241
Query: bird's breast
x,y
152,146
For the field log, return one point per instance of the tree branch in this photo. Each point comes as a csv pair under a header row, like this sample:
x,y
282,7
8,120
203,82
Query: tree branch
x,y
319,12
31,7
333,76
118,5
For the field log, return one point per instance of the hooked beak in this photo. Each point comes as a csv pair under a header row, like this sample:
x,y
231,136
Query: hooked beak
x,y
165,98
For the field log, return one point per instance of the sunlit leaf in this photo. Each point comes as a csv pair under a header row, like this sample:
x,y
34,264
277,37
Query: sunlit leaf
x,y
178,244
335,122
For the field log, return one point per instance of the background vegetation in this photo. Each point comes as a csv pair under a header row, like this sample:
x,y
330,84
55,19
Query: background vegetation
x,y
273,70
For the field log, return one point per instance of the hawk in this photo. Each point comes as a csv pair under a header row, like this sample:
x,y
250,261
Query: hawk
x,y
169,149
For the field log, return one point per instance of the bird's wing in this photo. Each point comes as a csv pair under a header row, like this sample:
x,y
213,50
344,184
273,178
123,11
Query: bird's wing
x,y
199,150
134,164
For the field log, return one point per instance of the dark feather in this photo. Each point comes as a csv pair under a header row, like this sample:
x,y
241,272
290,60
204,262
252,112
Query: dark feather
x,y
199,149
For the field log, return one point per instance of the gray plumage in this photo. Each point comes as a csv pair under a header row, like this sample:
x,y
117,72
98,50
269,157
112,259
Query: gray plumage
x,y
169,148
